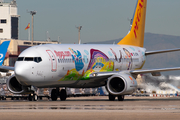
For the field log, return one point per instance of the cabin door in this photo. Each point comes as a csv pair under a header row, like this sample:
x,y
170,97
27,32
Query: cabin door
x,y
53,60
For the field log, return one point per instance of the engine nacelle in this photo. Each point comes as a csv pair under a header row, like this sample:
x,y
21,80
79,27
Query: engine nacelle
x,y
121,84
15,87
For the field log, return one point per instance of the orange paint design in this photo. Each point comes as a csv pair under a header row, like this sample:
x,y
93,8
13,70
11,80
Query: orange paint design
x,y
130,77
83,73
67,72
135,37
137,19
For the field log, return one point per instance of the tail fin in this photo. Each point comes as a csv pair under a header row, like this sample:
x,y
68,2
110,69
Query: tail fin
x,y
135,36
3,49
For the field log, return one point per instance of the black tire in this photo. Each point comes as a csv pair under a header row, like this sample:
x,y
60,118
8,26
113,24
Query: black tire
x,y
48,97
40,98
53,95
63,95
4,98
30,97
121,97
111,97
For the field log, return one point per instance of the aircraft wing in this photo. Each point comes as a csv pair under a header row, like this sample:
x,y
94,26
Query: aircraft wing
x,y
161,51
6,68
154,72
103,75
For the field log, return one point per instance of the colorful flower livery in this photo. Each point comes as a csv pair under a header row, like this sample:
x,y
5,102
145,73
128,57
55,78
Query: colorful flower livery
x,y
94,60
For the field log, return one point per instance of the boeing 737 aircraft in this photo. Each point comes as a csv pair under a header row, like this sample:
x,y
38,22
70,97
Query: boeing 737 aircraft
x,y
86,65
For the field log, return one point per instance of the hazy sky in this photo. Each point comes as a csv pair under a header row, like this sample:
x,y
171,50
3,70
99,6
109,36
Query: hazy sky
x,y
101,19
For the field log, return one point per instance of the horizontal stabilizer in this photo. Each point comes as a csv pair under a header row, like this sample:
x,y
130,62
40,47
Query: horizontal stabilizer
x,y
161,51
154,72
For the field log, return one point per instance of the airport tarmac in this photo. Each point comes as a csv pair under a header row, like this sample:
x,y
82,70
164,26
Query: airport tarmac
x,y
93,108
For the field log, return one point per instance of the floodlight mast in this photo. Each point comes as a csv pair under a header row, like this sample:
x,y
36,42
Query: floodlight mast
x,y
32,13
79,29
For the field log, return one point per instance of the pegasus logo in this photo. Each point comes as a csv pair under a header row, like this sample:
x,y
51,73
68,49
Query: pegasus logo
x,y
62,54
138,17
1,56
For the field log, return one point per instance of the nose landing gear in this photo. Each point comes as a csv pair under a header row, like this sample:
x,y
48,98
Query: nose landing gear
x,y
32,97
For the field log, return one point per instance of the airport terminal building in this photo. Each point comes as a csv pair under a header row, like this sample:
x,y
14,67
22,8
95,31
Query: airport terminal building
x,y
9,30
8,20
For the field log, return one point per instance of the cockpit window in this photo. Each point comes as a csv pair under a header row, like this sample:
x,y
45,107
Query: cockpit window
x,y
20,59
37,59
29,59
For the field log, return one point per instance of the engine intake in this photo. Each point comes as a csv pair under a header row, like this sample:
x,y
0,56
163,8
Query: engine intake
x,y
15,87
121,84
117,84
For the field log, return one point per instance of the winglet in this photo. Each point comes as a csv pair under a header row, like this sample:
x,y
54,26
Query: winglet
x,y
135,36
3,49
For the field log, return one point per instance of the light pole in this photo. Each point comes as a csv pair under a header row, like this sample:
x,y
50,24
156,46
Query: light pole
x,y
79,29
32,13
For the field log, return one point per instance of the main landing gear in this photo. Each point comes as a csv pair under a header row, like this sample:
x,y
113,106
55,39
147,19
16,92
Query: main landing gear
x,y
55,93
112,97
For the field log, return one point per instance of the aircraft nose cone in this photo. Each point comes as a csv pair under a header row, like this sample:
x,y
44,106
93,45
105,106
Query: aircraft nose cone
x,y
20,73
18,70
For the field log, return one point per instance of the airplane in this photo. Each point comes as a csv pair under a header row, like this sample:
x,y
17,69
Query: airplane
x,y
86,65
3,50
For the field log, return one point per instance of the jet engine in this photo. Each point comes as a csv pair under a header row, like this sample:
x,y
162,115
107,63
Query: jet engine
x,y
15,87
121,84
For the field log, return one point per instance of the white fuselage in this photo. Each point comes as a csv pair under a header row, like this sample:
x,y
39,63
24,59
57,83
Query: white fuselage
x,y
62,65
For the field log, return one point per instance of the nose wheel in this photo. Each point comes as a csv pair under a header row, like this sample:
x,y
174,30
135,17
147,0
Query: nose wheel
x,y
55,93
32,97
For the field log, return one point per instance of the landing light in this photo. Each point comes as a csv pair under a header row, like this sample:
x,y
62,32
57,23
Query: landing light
x,y
94,74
